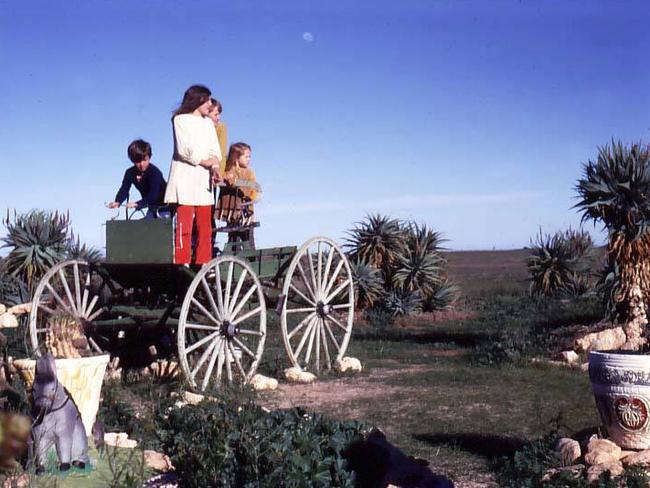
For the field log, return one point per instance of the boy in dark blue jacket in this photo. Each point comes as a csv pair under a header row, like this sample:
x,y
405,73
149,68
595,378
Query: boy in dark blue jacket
x,y
146,178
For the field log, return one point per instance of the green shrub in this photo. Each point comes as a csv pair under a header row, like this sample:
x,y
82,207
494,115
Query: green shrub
x,y
560,264
368,284
241,445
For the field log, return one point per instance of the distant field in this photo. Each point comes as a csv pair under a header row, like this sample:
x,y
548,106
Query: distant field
x,y
477,272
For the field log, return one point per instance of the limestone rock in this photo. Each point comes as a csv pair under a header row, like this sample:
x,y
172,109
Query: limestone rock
x,y
605,340
602,451
569,450
3,308
20,309
570,357
119,439
348,364
260,382
594,472
641,458
296,375
576,472
157,461
8,321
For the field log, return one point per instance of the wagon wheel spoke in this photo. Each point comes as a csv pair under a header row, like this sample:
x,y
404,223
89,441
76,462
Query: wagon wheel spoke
x,y
237,360
302,323
204,357
328,361
208,347
235,294
66,291
303,277
215,309
316,335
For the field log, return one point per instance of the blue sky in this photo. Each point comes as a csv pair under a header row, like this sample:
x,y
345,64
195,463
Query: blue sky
x,y
471,116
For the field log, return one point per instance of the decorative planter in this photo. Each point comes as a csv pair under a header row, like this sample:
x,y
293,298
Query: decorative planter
x,y
620,381
82,377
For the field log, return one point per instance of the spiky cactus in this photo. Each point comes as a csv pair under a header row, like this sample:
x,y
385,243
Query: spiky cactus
x,y
38,240
614,190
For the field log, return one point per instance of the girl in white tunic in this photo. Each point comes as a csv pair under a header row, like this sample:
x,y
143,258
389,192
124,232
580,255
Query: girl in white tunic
x,y
196,159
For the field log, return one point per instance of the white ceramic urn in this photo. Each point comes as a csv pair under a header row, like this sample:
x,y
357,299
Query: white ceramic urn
x,y
620,381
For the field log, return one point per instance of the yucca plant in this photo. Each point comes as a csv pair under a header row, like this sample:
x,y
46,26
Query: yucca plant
x,y
560,263
442,297
368,284
418,270
377,240
614,190
75,249
38,240
399,302
12,290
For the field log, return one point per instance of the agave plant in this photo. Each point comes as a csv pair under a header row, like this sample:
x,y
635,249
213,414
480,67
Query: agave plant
x,y
38,240
442,297
12,290
614,191
399,302
378,240
560,263
422,236
75,249
368,284
418,270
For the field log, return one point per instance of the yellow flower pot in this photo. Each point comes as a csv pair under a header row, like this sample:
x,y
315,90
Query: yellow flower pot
x,y
82,377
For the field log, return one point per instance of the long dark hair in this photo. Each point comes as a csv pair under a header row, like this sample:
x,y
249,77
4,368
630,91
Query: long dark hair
x,y
194,96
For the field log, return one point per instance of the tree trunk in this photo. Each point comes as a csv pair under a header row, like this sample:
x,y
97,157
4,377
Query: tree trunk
x,y
635,319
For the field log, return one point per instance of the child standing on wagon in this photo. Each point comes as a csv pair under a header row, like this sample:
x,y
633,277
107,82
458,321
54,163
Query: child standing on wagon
x,y
235,203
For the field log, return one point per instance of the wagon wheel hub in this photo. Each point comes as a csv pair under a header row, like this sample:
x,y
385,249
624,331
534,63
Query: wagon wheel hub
x,y
323,309
229,329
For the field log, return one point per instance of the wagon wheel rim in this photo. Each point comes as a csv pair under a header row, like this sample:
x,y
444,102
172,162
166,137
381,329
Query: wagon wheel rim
x,y
222,324
318,305
68,289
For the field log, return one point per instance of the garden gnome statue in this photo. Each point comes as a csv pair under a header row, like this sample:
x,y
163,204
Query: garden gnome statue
x,y
57,420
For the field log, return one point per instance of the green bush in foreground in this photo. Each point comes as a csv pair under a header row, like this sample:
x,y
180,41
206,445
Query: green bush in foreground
x,y
230,445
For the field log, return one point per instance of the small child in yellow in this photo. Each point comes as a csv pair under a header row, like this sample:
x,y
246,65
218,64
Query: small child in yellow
x,y
235,203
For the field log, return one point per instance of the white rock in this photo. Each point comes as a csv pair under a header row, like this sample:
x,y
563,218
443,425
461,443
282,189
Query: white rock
x,y
569,450
261,382
348,364
584,367
3,308
296,375
602,451
605,340
119,439
8,321
570,357
641,458
157,461
21,309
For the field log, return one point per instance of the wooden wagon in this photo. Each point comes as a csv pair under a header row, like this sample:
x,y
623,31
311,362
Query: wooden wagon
x,y
213,317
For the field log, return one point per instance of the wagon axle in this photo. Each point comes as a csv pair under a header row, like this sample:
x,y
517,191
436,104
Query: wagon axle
x,y
323,309
229,329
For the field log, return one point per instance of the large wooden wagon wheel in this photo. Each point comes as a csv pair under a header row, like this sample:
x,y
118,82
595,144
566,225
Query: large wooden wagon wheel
x,y
222,324
68,295
318,307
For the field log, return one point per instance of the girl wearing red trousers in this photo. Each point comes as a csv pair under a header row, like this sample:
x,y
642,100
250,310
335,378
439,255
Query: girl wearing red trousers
x,y
196,158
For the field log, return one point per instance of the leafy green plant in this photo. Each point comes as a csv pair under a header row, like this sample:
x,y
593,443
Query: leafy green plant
x,y
401,302
614,191
377,240
368,284
561,263
442,297
38,240
240,444
75,249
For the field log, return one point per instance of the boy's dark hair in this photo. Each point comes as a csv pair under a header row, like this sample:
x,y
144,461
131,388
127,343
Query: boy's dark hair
x,y
138,150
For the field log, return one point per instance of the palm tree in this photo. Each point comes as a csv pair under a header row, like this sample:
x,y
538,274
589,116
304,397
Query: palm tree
x,y
615,190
